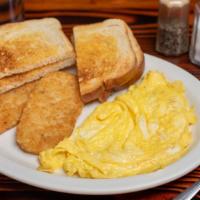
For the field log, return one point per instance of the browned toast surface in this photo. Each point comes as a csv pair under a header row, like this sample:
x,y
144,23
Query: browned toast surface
x,y
108,57
16,80
31,44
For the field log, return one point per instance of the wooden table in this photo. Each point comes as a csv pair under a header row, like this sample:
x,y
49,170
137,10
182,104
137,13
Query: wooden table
x,y
142,17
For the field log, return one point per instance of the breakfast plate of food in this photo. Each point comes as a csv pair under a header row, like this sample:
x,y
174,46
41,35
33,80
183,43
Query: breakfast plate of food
x,y
95,117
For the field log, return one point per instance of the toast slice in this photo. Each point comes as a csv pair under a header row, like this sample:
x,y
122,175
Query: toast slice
x,y
108,58
16,80
12,104
50,113
31,44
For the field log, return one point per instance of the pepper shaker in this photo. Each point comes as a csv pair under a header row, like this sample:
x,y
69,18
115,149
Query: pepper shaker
x,y
195,42
173,31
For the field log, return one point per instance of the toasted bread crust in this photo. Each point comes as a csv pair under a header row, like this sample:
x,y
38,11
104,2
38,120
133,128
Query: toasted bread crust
x,y
119,83
130,69
16,80
126,79
99,93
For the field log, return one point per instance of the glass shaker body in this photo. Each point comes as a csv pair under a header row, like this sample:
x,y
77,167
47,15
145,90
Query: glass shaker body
x,y
11,11
173,30
195,42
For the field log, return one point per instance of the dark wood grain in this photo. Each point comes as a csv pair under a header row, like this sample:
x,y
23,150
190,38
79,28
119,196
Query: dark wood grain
x,y
141,15
84,11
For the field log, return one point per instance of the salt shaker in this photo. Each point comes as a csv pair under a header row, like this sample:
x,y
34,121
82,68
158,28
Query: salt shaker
x,y
173,31
11,11
195,42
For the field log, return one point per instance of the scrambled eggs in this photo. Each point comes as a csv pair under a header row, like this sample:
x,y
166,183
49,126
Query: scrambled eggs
x,y
143,130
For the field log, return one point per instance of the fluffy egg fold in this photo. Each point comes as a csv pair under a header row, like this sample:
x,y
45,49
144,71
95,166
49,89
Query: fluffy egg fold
x,y
140,131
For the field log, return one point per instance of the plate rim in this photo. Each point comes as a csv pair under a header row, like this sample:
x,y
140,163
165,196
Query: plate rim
x,y
28,175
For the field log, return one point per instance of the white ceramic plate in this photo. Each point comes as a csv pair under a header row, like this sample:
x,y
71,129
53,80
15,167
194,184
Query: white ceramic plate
x,y
21,166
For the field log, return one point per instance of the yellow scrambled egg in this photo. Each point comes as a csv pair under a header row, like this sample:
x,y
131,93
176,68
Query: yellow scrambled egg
x,y
143,130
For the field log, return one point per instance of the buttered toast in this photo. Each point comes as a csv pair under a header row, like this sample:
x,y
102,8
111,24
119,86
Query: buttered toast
x,y
31,44
108,57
